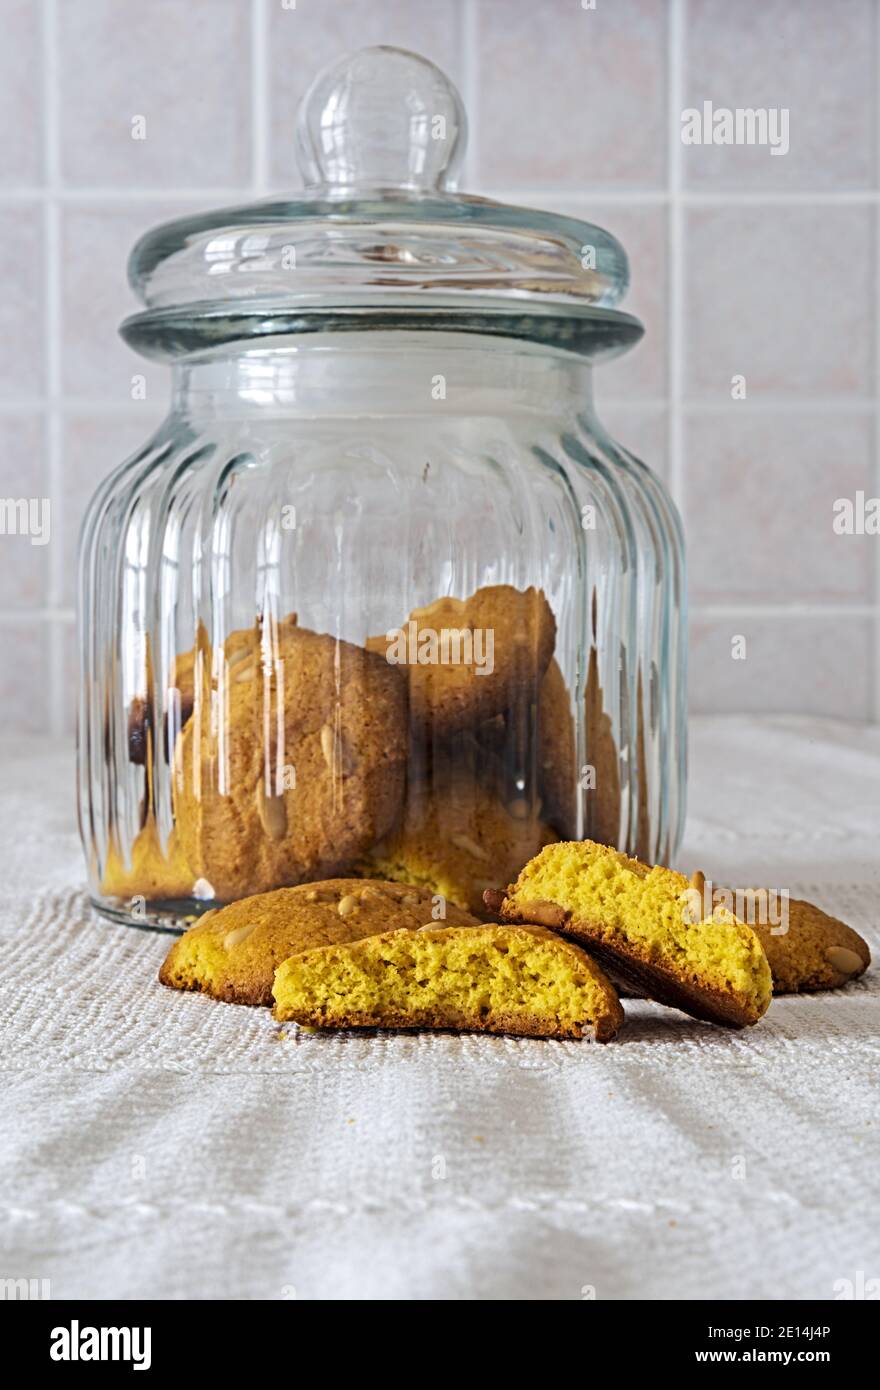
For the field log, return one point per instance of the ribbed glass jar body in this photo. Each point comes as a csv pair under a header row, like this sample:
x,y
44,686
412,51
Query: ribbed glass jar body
x,y
273,691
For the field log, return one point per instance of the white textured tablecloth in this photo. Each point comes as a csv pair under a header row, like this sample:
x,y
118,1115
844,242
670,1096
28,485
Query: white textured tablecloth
x,y
165,1146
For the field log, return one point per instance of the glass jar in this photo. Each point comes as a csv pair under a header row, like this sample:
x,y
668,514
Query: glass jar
x,y
381,596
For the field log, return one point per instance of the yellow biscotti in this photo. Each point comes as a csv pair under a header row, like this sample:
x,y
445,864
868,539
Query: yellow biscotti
x,y
636,920
232,953
487,979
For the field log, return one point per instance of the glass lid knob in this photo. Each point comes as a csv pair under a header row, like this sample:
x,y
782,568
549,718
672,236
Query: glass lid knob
x,y
381,118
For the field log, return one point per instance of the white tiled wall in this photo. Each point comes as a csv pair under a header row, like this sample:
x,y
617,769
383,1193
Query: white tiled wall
x,y
743,263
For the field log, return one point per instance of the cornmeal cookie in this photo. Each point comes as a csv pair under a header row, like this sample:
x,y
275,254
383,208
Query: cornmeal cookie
x,y
456,838
816,952
528,753
153,873
232,952
636,921
643,810
179,691
294,768
467,660
485,979
557,761
602,799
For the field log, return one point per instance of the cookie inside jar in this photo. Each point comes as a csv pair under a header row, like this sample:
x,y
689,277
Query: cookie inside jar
x,y
440,753
474,803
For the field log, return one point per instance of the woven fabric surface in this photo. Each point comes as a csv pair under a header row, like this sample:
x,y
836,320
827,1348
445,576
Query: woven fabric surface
x,y
166,1146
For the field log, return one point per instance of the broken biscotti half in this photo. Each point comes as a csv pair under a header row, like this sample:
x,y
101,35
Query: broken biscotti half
x,y
488,979
636,921
231,953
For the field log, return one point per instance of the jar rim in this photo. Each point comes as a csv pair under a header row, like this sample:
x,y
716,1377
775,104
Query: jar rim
x,y
176,333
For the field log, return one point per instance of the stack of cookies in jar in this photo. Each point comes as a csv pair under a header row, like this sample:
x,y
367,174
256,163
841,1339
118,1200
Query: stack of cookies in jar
x,y
439,754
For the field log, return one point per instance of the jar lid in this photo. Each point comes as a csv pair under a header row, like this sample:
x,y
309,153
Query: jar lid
x,y
378,231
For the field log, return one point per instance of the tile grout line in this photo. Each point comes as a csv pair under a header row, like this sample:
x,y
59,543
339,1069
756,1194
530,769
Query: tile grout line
x,y
468,44
259,99
84,405
587,194
816,405
591,194
55,702
797,608
675,367
15,616
136,193
875,628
